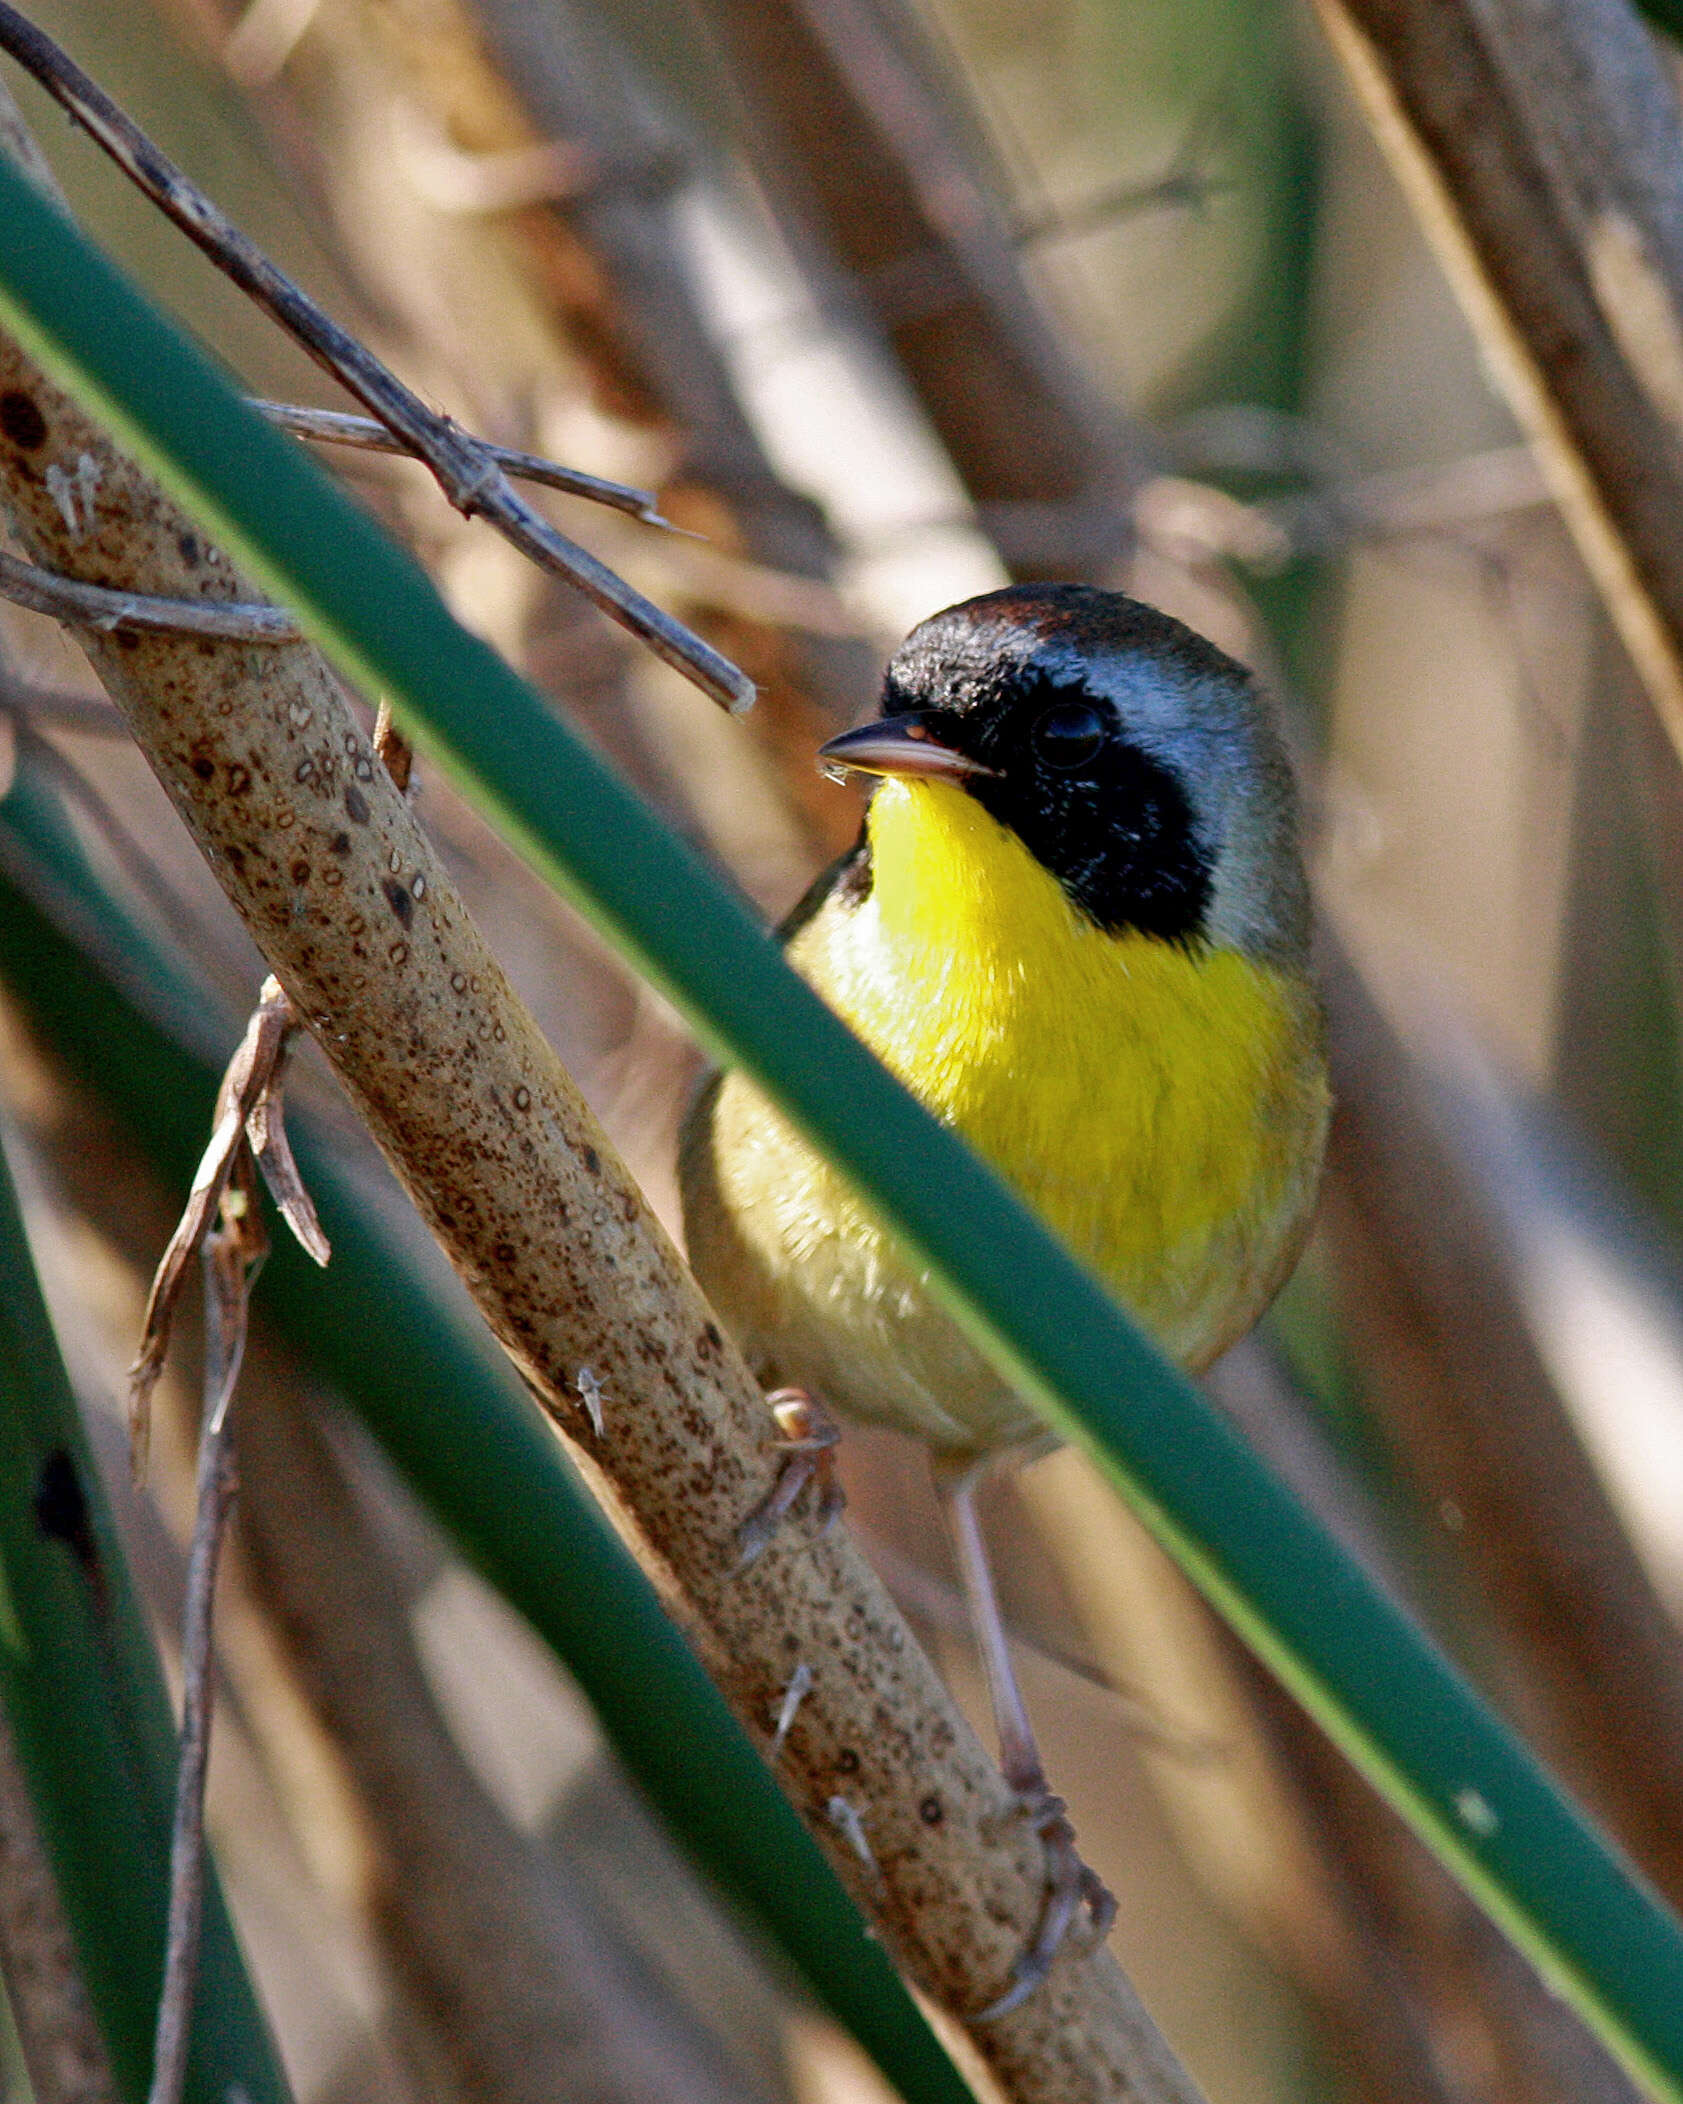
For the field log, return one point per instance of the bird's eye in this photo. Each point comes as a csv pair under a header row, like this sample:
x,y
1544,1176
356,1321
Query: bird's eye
x,y
1068,734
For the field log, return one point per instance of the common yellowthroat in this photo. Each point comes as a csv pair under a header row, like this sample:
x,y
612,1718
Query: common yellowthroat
x,y
1076,925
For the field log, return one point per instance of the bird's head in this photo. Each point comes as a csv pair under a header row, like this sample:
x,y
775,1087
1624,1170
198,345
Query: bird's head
x,y
1134,760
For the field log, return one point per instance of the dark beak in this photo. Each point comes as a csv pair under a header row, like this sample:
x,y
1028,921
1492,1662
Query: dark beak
x,y
899,745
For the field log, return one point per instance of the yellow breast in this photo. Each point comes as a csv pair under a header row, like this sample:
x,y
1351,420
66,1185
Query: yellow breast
x,y
1162,1107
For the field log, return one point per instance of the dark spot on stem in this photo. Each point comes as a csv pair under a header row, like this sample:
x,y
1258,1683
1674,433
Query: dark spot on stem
x,y
397,897
22,421
356,804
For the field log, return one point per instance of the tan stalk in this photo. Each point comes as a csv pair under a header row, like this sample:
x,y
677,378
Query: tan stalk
x,y
1539,143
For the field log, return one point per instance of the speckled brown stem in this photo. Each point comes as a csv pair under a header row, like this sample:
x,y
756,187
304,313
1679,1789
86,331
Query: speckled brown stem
x,y
355,912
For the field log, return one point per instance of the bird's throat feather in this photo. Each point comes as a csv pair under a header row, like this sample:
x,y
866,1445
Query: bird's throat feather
x,y
1152,1100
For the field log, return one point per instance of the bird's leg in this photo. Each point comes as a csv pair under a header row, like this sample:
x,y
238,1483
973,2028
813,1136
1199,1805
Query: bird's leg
x,y
1070,1885
808,1440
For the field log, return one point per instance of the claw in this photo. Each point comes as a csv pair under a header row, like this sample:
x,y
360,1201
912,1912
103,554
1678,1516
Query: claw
x,y
1070,1888
808,1441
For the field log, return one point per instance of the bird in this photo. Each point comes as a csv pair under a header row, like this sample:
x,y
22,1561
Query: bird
x,y
1076,925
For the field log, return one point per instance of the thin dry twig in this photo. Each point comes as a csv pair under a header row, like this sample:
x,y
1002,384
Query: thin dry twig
x,y
82,605
1193,522
1179,516
1185,183
249,1128
1472,491
332,427
249,1139
233,1251
471,477
1181,189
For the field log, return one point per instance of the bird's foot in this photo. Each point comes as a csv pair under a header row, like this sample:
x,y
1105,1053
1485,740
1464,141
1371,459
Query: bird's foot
x,y
1071,1891
807,1439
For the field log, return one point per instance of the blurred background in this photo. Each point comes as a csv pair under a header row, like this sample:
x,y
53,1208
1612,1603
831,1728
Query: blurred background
x,y
891,301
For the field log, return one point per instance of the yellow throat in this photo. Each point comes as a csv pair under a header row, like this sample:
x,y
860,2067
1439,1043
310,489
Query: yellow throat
x,y
1162,1106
